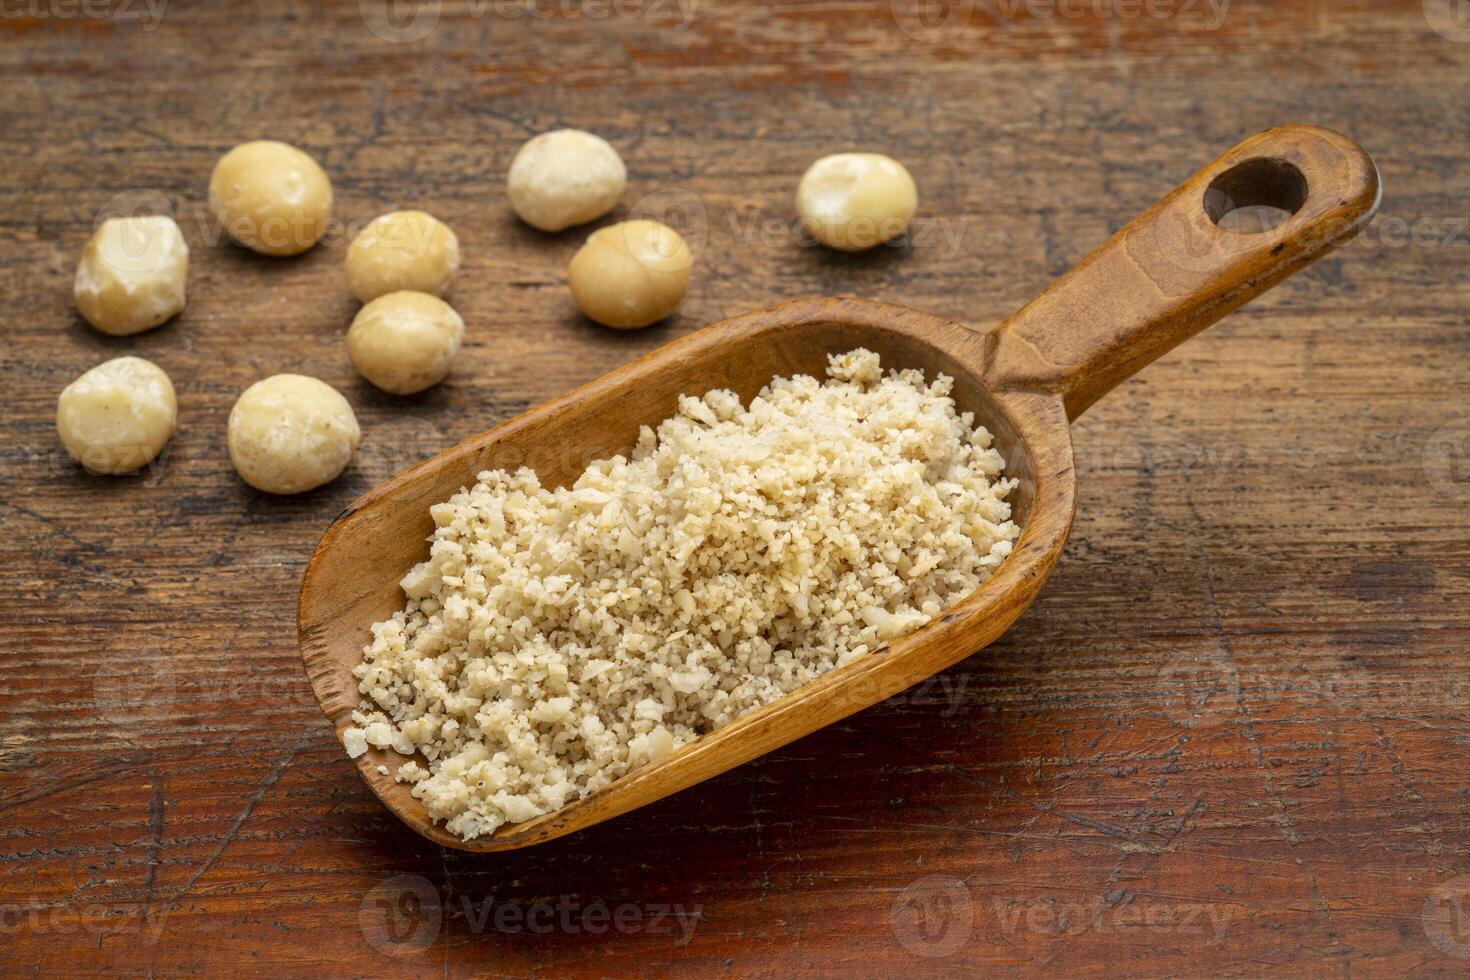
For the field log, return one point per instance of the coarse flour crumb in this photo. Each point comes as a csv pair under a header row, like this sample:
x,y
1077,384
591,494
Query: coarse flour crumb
x,y
559,638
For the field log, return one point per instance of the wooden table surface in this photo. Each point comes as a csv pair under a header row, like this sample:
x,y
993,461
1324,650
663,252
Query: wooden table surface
x,y
1231,736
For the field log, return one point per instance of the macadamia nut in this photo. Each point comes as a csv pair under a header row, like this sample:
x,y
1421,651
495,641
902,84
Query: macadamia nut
x,y
405,342
290,433
630,274
117,416
565,177
402,250
271,197
854,201
132,274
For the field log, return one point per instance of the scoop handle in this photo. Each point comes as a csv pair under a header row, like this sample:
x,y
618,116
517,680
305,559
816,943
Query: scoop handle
x,y
1174,270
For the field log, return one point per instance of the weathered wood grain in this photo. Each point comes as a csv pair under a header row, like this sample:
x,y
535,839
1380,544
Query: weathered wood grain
x,y
1229,738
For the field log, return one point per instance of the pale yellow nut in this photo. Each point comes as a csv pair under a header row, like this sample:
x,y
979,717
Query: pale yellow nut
x,y
271,197
116,417
630,274
402,250
405,342
853,201
290,433
132,274
565,177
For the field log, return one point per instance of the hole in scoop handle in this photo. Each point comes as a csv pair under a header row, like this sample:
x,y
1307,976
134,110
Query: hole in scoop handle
x,y
1174,271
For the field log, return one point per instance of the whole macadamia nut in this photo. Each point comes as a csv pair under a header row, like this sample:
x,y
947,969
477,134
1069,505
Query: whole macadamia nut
x,y
271,197
854,201
116,417
290,433
132,274
402,250
565,177
630,274
405,342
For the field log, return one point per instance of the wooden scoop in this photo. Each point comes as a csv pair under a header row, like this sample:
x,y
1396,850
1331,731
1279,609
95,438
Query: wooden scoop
x,y
1182,265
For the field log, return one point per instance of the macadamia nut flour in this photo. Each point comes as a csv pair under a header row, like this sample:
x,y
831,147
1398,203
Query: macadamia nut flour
x,y
556,639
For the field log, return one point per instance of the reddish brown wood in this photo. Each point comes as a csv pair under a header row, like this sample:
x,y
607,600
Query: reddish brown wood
x,y
1241,694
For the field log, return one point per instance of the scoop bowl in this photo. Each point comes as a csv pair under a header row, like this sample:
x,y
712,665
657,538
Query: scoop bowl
x,y
1197,254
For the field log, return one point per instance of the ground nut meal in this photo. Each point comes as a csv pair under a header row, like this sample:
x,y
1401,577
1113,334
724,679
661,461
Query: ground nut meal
x,y
557,639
